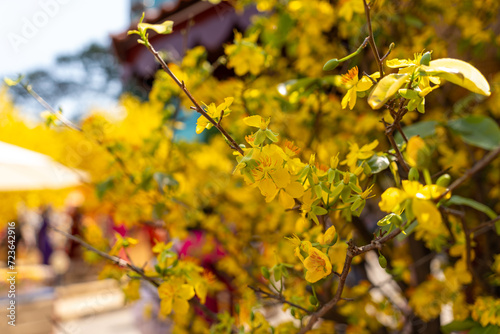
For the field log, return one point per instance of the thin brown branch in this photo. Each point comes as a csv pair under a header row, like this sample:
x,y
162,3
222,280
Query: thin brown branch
x,y
114,259
373,46
352,251
389,132
485,161
47,106
198,108
480,229
279,298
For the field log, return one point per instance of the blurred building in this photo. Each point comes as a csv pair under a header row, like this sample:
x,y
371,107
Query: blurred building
x,y
195,23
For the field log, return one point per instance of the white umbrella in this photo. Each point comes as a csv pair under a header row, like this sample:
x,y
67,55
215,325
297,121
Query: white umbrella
x,y
22,169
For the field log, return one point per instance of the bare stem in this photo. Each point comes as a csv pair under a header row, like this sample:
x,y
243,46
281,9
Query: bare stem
x,y
278,297
114,259
480,229
373,46
47,106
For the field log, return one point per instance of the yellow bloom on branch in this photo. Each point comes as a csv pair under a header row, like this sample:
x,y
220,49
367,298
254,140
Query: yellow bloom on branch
x,y
422,206
317,264
174,292
354,85
215,112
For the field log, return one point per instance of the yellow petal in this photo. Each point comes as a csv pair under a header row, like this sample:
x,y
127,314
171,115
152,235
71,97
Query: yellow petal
x,y
281,177
181,306
397,63
166,307
412,188
391,199
364,84
286,200
345,100
254,121
186,291
268,187
352,97
295,189
317,264
426,212
329,235
415,144
201,291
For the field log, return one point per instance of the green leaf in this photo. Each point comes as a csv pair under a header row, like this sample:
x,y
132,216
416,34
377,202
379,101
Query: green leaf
x,y
271,135
164,28
422,129
491,329
386,88
408,93
480,131
458,326
378,163
460,73
13,82
459,200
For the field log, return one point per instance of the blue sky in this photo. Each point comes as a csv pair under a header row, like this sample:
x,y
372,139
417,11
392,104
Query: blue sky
x,y
34,32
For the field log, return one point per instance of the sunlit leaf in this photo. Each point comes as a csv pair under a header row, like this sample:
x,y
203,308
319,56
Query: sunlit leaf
x,y
386,88
162,28
460,73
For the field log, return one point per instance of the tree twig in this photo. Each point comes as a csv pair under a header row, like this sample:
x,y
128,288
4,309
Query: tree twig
x,y
279,298
485,161
352,251
47,106
480,229
373,46
198,108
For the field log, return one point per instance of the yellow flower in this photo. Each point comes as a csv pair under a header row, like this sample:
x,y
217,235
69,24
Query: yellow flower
x,y
356,153
174,292
421,201
329,235
287,194
215,112
257,121
354,85
317,264
270,175
120,243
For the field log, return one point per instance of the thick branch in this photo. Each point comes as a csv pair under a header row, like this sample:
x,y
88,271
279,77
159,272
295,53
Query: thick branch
x,y
352,251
